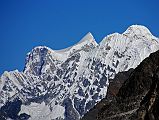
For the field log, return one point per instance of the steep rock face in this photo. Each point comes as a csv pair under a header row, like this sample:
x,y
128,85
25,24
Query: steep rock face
x,y
136,99
149,109
116,83
65,84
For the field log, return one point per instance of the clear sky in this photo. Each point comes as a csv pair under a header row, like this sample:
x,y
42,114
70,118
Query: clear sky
x,y
58,24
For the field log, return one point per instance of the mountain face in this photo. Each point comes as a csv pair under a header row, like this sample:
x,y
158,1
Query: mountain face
x,y
138,97
65,84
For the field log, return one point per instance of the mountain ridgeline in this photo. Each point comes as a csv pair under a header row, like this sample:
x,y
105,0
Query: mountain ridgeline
x,y
66,84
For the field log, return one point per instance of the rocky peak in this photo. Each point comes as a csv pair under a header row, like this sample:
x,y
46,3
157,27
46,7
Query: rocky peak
x,y
36,59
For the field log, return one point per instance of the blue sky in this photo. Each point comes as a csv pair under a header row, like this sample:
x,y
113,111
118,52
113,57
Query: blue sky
x,y
58,24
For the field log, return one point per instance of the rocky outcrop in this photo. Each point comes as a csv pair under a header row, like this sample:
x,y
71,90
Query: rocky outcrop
x,y
116,83
137,99
149,109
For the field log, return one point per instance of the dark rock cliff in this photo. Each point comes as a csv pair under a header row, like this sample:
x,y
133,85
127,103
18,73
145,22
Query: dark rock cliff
x,y
116,83
138,97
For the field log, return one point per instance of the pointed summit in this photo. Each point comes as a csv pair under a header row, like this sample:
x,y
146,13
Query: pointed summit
x,y
88,38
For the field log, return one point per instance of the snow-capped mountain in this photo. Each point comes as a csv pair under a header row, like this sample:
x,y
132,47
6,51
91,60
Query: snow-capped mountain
x,y
65,84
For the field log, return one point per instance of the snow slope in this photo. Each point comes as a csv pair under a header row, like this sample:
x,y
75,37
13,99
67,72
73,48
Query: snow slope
x,y
65,84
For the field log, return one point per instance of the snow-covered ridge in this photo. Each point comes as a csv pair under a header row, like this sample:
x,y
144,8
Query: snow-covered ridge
x,y
40,54
87,39
133,30
74,79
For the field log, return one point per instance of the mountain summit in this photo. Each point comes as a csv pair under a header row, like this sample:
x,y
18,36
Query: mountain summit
x,y
138,30
65,84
